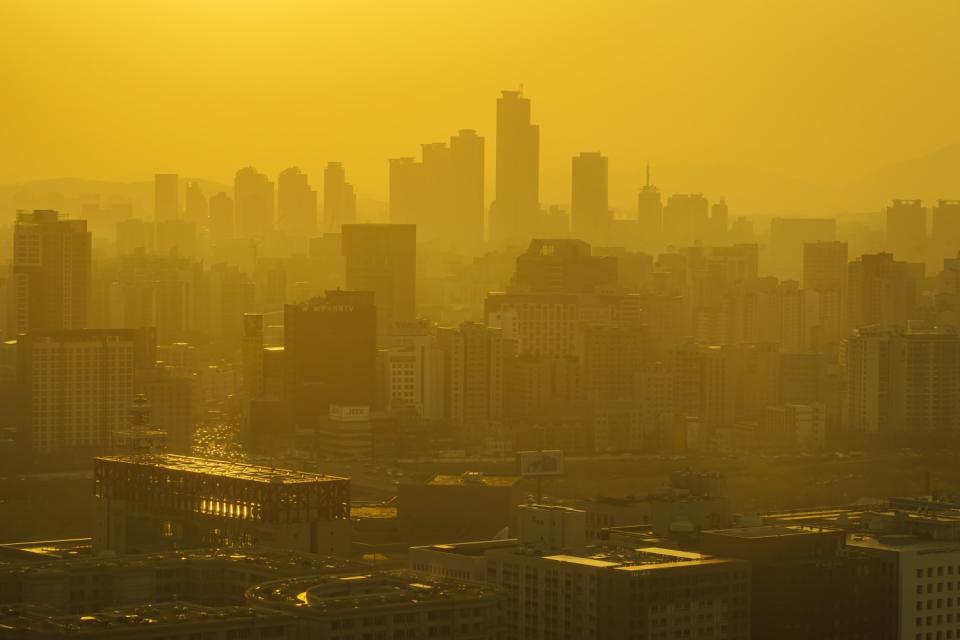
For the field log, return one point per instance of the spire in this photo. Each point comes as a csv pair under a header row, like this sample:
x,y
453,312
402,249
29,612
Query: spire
x,y
648,173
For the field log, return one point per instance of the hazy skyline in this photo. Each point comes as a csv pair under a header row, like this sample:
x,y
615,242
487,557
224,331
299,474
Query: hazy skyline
x,y
819,94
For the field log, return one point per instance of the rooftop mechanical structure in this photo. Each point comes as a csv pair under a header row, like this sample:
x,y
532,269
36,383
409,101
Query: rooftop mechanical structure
x,y
164,501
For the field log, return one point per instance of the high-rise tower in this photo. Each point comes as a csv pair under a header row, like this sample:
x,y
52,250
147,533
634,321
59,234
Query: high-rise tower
x,y
514,211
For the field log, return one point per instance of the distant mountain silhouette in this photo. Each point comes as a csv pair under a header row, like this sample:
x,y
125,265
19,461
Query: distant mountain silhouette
x,y
929,178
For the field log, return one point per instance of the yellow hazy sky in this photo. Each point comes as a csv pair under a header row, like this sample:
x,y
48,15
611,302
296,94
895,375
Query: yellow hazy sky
x,y
819,90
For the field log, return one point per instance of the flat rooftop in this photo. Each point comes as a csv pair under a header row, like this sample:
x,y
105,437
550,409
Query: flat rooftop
x,y
319,595
221,468
770,531
902,544
640,559
477,548
280,563
146,619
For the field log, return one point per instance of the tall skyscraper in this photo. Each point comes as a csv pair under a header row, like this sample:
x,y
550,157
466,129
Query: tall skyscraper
x,y
650,211
196,207
51,272
166,196
339,199
406,191
253,194
516,206
907,229
443,194
719,221
467,156
382,258
589,203
221,218
437,215
296,204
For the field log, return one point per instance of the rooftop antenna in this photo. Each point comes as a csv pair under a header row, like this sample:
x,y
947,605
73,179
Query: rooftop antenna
x,y
648,173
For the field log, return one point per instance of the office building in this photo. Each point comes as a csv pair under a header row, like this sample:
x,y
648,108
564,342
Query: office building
x,y
166,196
590,213
162,502
621,593
467,156
51,272
254,203
296,204
806,583
516,205
330,351
339,198
924,601
382,258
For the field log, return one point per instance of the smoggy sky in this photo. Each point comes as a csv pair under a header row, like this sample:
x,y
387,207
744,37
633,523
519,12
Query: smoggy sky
x,y
820,91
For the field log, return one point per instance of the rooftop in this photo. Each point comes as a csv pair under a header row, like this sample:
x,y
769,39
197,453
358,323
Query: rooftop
x,y
212,467
289,563
640,559
769,531
319,595
135,619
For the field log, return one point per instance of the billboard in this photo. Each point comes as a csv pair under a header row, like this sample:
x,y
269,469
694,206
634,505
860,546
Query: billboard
x,y
540,463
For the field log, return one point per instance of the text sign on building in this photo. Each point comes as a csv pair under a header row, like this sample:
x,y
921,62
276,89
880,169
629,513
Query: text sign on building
x,y
350,412
540,463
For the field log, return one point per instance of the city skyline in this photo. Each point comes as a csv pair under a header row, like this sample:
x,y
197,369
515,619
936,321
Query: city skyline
x,y
685,109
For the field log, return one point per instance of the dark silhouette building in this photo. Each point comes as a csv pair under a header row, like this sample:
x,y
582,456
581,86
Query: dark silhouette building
x,y
649,211
253,195
382,258
516,206
296,203
51,272
563,266
339,198
330,350
589,204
